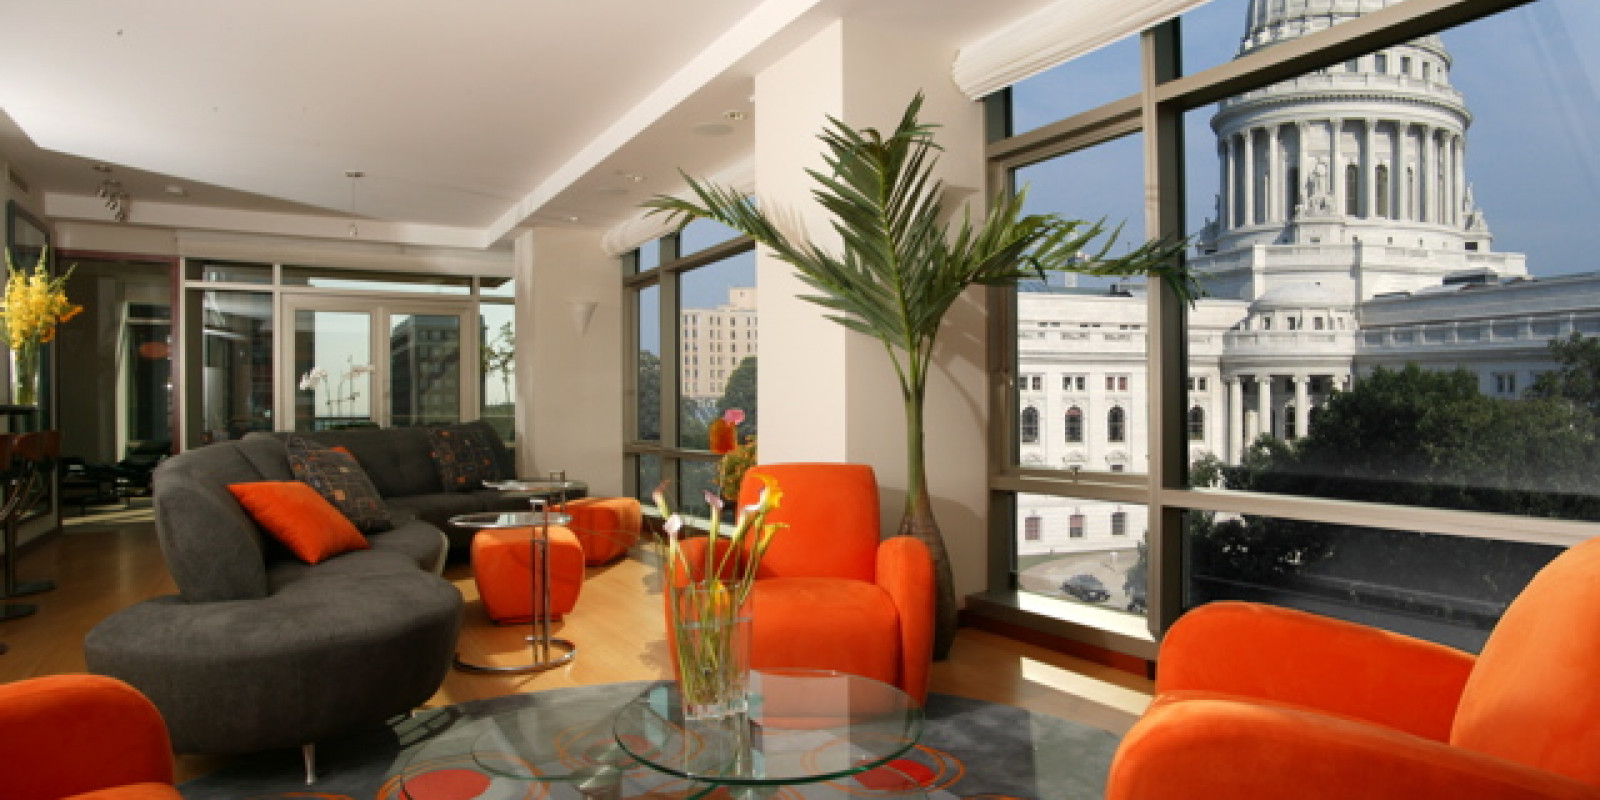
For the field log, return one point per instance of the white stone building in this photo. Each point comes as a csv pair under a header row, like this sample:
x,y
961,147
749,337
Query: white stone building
x,y
715,340
1345,237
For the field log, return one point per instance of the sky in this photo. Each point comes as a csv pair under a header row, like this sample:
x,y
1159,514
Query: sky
x,y
1532,152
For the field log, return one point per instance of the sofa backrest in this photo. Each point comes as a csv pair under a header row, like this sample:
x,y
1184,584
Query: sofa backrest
x,y
213,549
400,461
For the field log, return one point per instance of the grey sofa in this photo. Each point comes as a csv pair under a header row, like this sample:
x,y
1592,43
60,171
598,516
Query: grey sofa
x,y
400,463
259,650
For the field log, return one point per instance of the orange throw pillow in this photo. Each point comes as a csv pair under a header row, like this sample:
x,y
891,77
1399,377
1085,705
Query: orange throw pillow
x,y
300,517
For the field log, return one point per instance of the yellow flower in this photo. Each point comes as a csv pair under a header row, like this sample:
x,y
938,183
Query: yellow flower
x,y
34,303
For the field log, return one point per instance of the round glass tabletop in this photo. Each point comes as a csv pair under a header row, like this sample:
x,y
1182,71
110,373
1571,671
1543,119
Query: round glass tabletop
x,y
803,726
510,519
540,486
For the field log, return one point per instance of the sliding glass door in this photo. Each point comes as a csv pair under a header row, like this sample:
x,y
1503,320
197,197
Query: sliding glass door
x,y
370,362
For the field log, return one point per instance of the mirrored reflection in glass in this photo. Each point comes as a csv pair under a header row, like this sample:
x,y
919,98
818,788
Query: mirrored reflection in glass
x,y
237,394
499,374
1085,551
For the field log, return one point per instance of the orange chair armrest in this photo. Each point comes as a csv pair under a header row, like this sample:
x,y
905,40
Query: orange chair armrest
x,y
1287,656
1241,751
905,573
70,734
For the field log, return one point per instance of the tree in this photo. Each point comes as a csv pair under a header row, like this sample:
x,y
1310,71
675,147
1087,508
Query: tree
x,y
649,388
1578,379
740,393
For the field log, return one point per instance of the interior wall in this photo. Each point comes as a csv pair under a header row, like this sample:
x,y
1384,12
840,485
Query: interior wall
x,y
829,394
569,376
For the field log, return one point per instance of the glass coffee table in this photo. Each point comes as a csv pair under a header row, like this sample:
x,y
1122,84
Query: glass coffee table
x,y
804,727
809,734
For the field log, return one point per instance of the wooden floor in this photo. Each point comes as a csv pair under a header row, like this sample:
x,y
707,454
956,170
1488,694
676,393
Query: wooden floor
x,y
104,562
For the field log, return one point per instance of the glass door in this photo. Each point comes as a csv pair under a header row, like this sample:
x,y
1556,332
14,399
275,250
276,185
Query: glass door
x,y
371,362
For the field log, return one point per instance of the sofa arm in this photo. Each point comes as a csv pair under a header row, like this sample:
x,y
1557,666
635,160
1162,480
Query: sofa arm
x,y
69,734
1282,655
1242,751
905,573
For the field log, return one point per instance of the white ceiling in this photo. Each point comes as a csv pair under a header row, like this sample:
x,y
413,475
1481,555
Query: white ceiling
x,y
469,119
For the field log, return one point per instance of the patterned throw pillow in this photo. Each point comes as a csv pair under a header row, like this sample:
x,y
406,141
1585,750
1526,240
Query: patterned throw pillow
x,y
337,476
464,458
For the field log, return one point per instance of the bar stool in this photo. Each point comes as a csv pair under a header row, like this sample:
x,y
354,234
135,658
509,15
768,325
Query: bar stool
x,y
27,465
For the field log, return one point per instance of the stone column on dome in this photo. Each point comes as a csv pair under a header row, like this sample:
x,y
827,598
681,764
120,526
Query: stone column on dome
x,y
1264,406
1249,172
1369,170
1425,163
1225,184
1274,192
1235,420
1302,406
1304,172
1335,169
1459,155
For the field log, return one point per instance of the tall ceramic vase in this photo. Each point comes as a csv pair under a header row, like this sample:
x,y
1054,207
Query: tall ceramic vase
x,y
712,639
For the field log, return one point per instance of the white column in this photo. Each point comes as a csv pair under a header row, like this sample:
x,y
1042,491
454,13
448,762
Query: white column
x,y
1225,184
574,426
1235,420
1335,169
1369,170
1302,406
1264,404
1303,174
1273,182
1458,155
1426,166
1249,168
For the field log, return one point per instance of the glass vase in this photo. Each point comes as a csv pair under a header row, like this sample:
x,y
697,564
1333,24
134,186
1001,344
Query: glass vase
x,y
25,375
711,634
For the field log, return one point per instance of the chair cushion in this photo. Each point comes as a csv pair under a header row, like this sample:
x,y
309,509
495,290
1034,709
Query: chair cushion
x,y
825,623
339,477
463,457
832,514
300,517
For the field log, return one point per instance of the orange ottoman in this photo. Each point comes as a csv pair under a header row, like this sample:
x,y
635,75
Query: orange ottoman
x,y
606,526
507,576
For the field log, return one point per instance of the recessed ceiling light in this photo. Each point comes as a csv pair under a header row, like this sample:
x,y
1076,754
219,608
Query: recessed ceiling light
x,y
733,115
177,191
713,129
354,173
572,218
102,168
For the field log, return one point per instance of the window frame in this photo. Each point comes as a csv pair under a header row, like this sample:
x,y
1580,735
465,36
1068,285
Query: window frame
x,y
1158,112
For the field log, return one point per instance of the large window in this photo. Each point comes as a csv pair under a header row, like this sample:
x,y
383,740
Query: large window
x,y
1382,240
696,346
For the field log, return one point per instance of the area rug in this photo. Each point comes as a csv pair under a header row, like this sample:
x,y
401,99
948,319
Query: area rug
x,y
969,749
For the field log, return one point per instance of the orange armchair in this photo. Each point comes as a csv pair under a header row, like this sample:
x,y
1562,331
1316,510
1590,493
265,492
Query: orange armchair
x,y
829,594
1255,701
82,736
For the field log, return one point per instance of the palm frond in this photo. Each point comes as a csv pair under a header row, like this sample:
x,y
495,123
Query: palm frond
x,y
900,266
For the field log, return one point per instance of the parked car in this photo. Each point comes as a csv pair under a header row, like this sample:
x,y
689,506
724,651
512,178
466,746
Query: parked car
x,y
1086,587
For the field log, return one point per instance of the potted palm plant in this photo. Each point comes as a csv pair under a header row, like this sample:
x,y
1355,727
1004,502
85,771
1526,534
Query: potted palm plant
x,y
903,262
